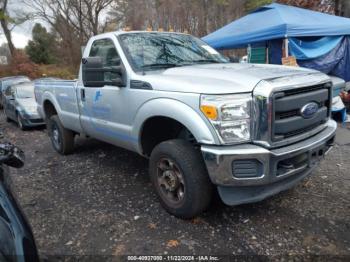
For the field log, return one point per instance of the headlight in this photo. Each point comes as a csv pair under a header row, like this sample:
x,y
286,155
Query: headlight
x,y
230,116
31,109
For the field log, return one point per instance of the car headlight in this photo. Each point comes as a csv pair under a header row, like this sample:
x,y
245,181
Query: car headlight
x,y
31,109
230,115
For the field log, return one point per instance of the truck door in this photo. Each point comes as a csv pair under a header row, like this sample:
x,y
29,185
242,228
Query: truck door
x,y
103,109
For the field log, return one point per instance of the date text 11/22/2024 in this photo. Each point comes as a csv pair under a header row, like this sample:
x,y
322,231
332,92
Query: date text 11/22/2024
x,y
173,258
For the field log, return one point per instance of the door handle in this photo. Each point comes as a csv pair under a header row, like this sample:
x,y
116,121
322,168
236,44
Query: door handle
x,y
82,94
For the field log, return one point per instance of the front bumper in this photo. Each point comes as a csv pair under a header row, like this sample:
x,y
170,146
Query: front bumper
x,y
268,171
32,120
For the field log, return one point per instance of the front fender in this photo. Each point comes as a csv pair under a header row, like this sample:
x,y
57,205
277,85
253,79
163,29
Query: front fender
x,y
184,114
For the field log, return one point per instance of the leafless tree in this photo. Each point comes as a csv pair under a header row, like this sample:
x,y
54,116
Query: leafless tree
x,y
74,21
4,21
8,22
198,17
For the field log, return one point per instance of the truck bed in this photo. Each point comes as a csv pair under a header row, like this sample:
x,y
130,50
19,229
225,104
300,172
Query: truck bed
x,y
62,94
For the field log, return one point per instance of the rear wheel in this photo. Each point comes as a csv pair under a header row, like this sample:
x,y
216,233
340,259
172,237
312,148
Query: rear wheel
x,y
62,139
180,178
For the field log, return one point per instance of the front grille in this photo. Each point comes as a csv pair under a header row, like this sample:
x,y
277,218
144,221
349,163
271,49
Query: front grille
x,y
287,120
36,121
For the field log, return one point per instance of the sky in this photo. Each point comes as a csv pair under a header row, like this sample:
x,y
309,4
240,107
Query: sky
x,y
20,38
21,34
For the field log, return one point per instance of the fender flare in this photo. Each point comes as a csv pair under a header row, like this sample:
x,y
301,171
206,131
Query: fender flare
x,y
47,96
179,111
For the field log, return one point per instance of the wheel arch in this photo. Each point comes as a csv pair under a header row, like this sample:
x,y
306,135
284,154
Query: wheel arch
x,y
49,105
172,110
49,109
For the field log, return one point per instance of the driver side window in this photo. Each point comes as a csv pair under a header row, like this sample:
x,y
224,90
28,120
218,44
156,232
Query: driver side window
x,y
106,49
9,91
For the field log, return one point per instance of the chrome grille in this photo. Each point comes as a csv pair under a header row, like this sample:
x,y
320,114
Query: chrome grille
x,y
287,120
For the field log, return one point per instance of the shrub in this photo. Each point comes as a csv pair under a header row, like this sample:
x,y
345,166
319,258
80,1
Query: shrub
x,y
22,65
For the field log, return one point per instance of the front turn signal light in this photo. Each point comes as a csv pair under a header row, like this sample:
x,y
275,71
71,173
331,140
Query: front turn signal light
x,y
210,112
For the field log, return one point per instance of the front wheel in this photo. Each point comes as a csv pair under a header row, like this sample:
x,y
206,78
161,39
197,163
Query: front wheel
x,y
7,118
20,122
180,178
62,139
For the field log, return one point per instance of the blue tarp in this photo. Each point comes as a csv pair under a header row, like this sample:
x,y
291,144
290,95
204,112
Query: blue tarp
x,y
277,21
335,62
303,49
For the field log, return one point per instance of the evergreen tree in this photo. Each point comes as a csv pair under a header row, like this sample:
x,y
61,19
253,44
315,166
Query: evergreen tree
x,y
41,48
251,5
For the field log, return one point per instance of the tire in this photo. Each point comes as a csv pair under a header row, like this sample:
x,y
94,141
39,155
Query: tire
x,y
62,139
20,122
185,195
6,117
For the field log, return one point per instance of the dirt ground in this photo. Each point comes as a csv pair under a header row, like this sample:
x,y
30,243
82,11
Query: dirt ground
x,y
99,201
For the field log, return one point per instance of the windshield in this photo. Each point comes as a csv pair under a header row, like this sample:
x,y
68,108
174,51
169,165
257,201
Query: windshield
x,y
25,92
151,51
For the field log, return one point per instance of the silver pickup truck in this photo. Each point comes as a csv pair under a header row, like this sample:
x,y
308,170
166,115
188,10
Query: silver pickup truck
x,y
249,130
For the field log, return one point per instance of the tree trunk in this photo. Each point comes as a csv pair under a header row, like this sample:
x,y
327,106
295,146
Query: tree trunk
x,y
5,27
7,33
336,7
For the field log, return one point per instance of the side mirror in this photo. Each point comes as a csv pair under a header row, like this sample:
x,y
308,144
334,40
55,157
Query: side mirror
x,y
94,74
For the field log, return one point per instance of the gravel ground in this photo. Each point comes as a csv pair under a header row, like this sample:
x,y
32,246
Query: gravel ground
x,y
99,201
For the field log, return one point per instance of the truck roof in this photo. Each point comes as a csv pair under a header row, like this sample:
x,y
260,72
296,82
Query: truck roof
x,y
122,32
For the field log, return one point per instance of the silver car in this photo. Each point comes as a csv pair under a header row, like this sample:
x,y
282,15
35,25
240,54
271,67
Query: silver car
x,y
5,82
20,105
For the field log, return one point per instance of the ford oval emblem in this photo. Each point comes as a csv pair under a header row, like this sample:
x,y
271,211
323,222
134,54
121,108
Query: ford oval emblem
x,y
309,110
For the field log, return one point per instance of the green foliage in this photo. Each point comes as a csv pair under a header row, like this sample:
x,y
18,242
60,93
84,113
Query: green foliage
x,y
40,49
250,5
59,71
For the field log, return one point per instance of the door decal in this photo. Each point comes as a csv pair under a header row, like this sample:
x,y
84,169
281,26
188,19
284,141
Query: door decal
x,y
97,96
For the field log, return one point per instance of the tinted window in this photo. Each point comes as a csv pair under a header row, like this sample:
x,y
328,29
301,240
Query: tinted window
x,y
9,91
105,49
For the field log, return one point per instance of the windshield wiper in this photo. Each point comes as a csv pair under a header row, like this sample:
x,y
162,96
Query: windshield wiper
x,y
206,61
160,65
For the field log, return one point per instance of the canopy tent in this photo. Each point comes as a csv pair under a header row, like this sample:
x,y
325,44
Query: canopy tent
x,y
317,40
277,21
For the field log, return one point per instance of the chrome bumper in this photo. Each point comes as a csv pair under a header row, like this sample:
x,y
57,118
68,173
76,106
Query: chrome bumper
x,y
275,165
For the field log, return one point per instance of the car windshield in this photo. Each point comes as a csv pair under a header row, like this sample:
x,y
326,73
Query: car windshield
x,y
24,92
152,51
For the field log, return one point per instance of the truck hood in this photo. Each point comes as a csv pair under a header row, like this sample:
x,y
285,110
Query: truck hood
x,y
218,78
